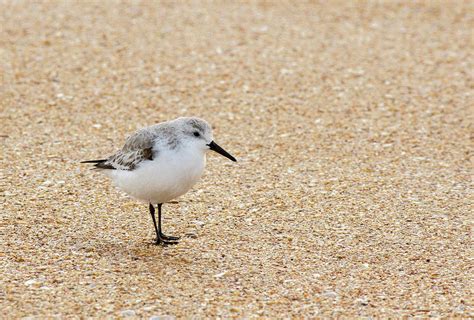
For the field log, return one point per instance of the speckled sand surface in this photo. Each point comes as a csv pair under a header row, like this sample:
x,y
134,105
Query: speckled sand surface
x,y
352,195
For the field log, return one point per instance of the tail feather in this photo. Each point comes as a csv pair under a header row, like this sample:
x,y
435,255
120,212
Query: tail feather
x,y
94,161
100,164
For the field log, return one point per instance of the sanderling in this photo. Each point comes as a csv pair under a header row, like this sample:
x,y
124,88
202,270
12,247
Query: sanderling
x,y
160,163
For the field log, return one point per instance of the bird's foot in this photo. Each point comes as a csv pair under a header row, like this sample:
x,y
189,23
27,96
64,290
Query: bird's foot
x,y
165,240
164,243
165,237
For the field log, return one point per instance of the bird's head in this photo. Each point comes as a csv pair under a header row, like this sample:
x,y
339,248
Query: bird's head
x,y
199,133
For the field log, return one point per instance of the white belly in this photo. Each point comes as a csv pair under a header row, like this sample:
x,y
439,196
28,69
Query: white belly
x,y
167,177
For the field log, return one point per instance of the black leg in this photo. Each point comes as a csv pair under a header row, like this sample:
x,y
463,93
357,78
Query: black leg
x,y
173,239
160,237
152,213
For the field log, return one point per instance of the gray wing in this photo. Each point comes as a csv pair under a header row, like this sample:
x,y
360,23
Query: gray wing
x,y
138,148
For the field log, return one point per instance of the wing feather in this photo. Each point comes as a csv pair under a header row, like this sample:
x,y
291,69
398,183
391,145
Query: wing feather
x,y
137,148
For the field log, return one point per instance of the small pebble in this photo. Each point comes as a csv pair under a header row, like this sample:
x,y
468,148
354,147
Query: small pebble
x,y
128,313
163,317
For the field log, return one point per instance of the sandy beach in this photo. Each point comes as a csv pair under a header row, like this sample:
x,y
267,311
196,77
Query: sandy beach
x,y
352,123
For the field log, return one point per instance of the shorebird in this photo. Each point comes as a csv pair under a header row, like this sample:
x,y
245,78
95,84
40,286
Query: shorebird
x,y
160,163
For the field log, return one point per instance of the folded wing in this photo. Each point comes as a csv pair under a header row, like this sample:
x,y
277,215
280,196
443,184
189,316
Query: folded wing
x,y
137,148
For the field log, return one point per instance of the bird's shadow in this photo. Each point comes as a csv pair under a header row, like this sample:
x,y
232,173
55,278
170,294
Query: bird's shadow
x,y
147,252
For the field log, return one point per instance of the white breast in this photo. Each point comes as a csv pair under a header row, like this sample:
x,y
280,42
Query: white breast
x,y
171,174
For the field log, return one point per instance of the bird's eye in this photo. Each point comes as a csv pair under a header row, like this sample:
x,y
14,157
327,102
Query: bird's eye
x,y
196,134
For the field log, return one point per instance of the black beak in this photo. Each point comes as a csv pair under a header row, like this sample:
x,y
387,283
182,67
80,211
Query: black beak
x,y
214,146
